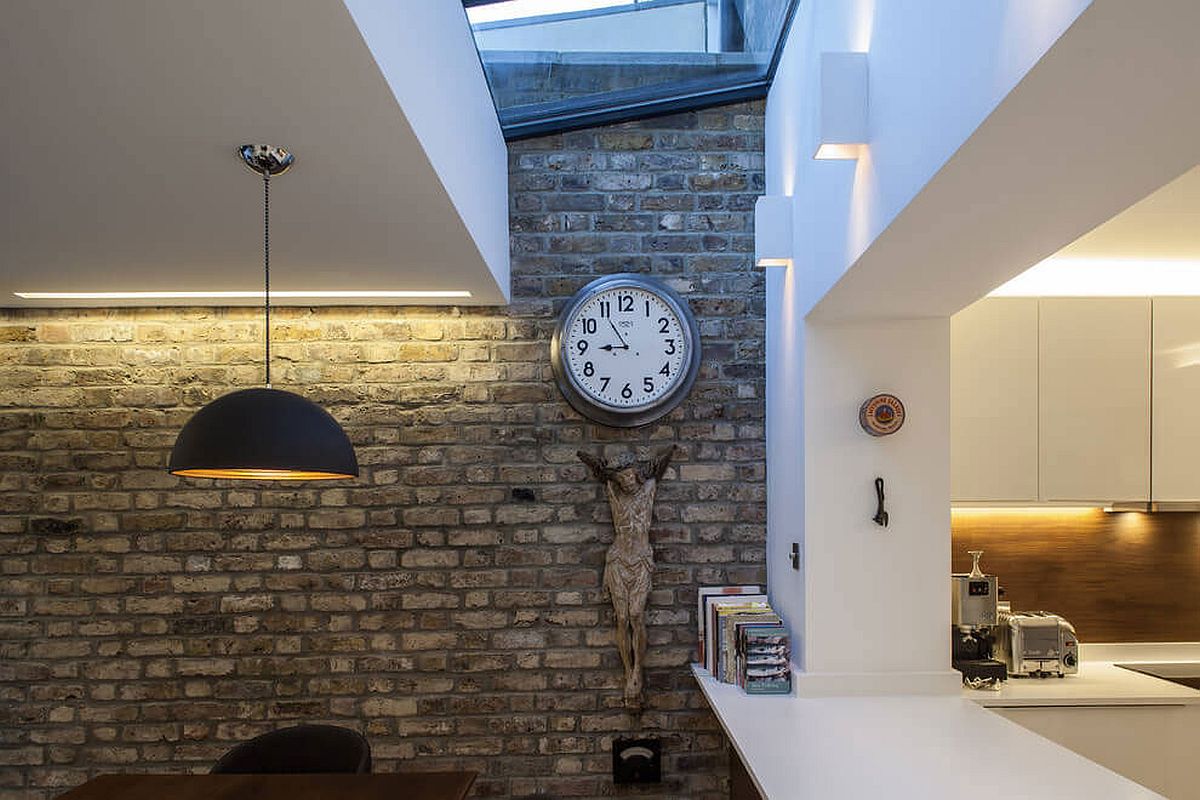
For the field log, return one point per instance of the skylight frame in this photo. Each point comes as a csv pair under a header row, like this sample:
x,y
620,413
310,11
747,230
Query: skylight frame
x,y
641,103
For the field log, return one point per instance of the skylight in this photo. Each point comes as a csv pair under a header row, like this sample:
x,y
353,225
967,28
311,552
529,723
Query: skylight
x,y
560,64
521,9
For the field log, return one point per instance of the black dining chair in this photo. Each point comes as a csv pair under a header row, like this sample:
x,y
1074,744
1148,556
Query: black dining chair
x,y
303,748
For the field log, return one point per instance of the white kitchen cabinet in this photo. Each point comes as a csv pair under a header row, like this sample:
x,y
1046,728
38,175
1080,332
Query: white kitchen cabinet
x,y
1153,745
994,401
1176,396
1094,399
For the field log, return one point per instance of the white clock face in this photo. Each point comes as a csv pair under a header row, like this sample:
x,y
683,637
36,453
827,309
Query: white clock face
x,y
626,348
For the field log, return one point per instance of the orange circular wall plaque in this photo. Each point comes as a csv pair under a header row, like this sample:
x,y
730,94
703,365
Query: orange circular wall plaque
x,y
881,415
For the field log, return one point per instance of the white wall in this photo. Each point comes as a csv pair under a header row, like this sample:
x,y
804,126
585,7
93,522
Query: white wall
x,y
430,63
877,599
870,609
937,69
785,449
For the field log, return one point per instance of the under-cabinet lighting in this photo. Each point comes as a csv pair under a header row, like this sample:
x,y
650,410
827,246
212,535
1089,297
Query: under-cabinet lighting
x,y
1154,507
1025,510
1104,277
252,295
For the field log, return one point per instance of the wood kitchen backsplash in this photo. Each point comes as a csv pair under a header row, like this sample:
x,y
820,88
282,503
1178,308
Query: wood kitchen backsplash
x,y
1122,577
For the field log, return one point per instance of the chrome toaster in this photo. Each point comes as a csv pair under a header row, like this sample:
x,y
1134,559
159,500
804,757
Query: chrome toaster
x,y
1037,644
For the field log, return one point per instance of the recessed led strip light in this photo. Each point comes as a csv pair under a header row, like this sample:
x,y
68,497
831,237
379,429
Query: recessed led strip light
x,y
1105,277
315,294
1046,510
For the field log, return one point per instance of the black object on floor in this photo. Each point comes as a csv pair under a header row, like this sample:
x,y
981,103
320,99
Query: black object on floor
x,y
300,749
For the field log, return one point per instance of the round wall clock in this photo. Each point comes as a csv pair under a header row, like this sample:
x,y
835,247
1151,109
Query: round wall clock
x,y
626,350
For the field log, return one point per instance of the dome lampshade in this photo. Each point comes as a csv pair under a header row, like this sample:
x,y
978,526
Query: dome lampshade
x,y
265,434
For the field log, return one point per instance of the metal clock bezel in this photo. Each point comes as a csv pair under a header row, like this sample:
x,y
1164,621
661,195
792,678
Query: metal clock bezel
x,y
615,416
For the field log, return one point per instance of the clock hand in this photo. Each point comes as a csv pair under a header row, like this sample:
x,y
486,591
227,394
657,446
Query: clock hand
x,y
624,344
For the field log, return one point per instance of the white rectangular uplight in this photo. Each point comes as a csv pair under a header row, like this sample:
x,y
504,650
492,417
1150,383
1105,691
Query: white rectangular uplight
x,y
842,106
773,231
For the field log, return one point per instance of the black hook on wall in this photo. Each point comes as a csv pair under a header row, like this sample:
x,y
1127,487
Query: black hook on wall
x,y
881,514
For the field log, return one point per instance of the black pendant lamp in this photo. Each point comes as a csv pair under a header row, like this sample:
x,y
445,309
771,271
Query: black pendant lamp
x,y
264,434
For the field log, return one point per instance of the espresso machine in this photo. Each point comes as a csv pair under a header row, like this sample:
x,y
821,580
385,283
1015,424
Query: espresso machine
x,y
973,617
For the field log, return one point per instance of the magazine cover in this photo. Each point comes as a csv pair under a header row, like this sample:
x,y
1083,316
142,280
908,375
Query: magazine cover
x,y
765,665
729,619
712,604
707,591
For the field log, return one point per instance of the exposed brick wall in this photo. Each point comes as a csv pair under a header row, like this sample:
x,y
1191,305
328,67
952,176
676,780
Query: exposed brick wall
x,y
448,603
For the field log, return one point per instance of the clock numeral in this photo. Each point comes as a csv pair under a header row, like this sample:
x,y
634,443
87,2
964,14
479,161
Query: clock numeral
x,y
604,384
589,325
605,308
648,385
666,370
582,345
588,369
627,392
670,349
663,325
624,303
647,309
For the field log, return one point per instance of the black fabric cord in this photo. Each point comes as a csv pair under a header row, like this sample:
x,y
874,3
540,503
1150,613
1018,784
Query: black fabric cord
x,y
267,269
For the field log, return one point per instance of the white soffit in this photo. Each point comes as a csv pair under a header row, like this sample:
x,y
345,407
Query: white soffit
x,y
117,158
1163,226
1150,249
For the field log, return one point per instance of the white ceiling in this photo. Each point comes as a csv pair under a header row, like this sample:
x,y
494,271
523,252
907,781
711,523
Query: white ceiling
x,y
117,155
1165,226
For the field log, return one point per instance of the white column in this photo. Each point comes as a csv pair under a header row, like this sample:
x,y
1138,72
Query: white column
x,y
876,599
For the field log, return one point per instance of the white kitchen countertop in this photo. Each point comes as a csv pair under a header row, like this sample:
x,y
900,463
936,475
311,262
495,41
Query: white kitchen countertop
x,y
1098,683
911,746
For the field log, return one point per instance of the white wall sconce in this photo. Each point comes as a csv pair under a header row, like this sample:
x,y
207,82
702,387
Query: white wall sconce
x,y
773,231
842,106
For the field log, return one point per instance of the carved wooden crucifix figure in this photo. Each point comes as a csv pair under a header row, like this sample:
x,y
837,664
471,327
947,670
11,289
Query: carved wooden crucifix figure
x,y
630,485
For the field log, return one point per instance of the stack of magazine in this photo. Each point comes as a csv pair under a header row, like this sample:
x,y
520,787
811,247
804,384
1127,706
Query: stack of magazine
x,y
742,640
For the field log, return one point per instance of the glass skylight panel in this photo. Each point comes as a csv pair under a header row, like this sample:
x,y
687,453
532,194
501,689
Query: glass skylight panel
x,y
558,64
522,9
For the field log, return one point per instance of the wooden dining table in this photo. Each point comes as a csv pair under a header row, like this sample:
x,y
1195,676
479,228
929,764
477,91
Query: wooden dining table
x,y
389,786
